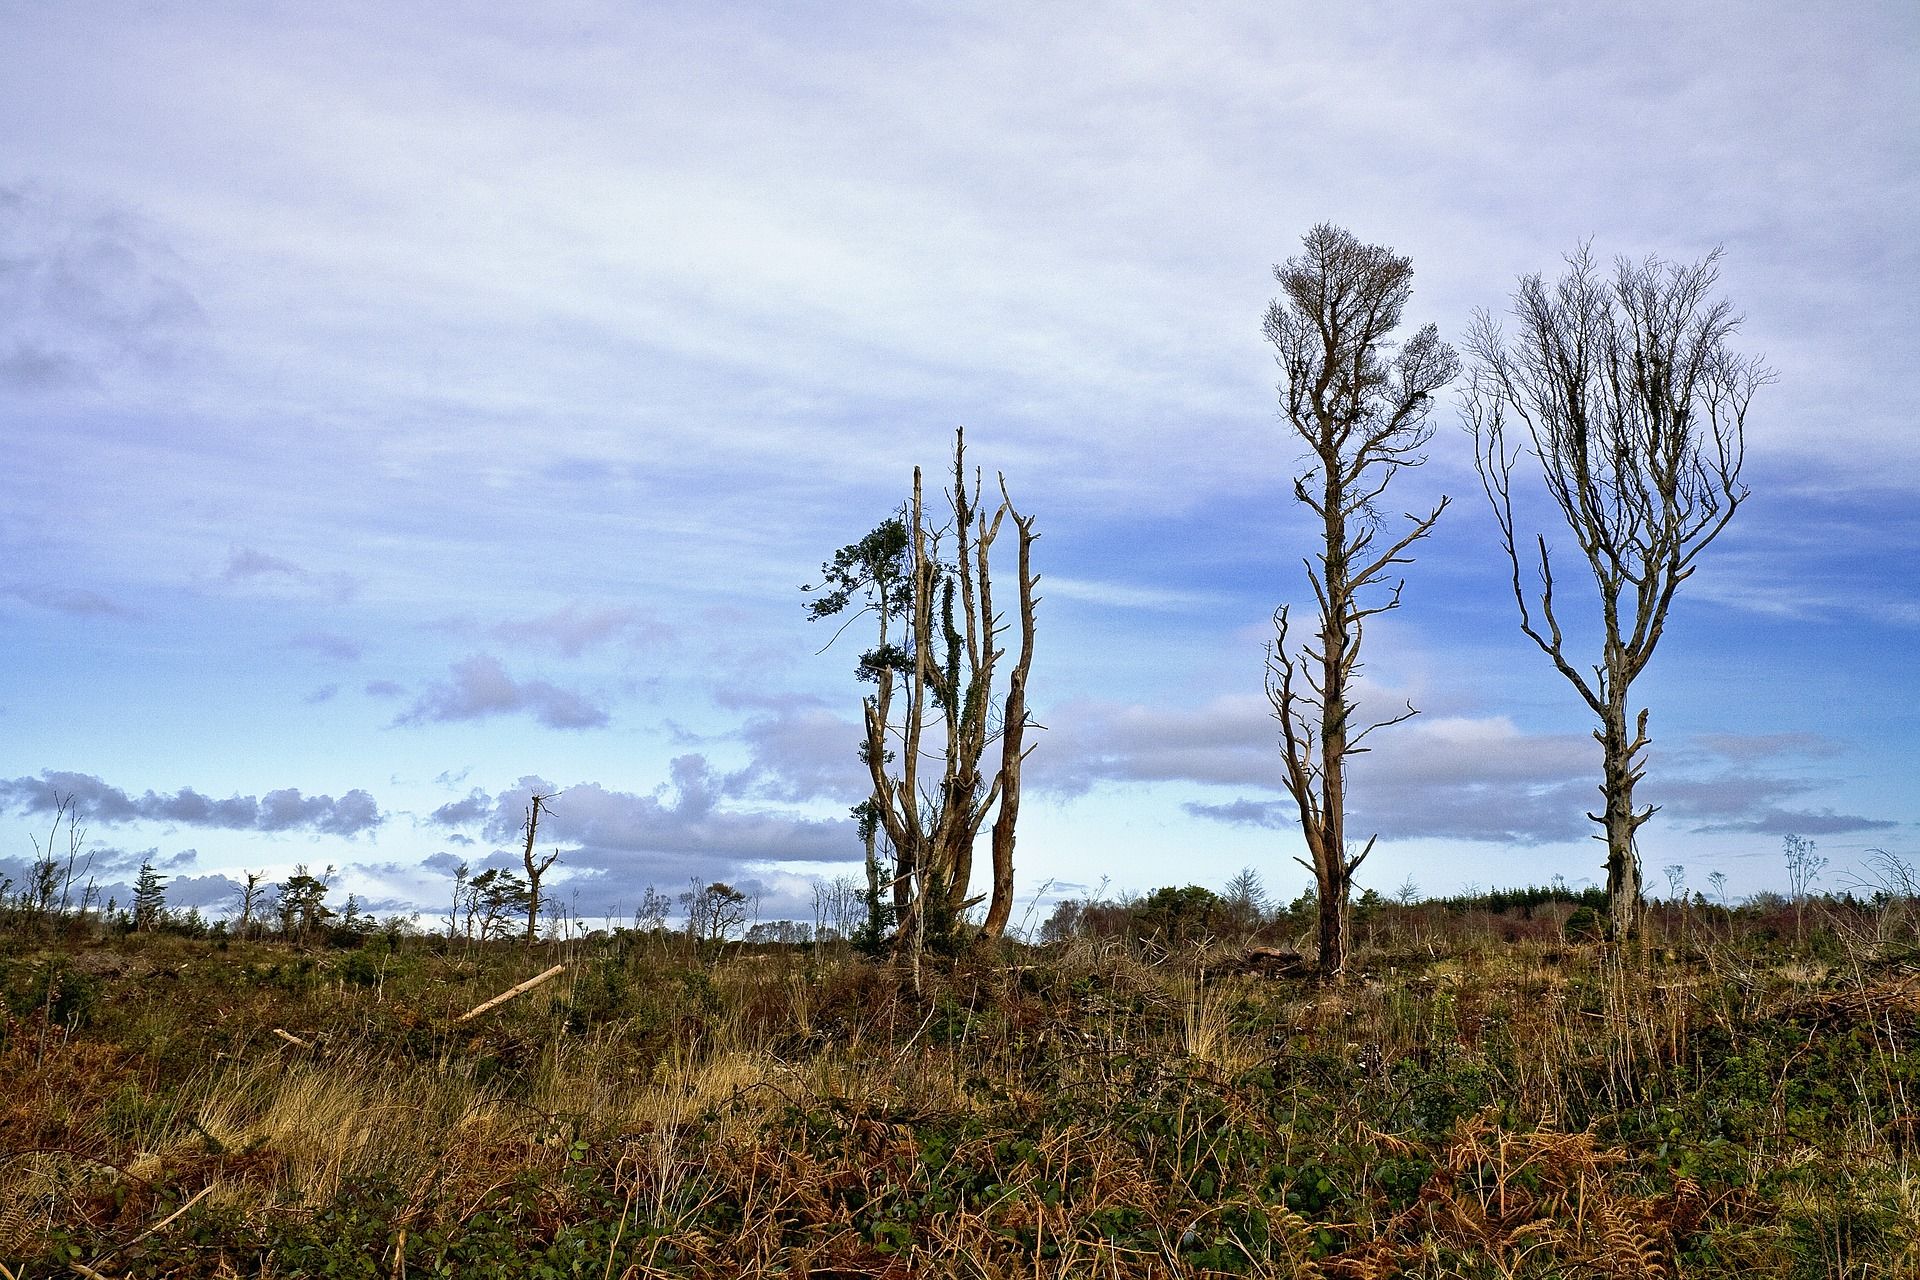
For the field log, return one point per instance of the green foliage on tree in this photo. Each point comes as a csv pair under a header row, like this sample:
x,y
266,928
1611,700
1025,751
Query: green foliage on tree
x,y
301,904
499,898
1183,915
149,899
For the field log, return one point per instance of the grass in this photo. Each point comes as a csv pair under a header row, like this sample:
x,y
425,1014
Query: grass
x,y
1486,1100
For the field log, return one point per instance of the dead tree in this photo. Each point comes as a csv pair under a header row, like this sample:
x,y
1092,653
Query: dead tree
x,y
251,893
1361,407
933,704
1635,407
536,867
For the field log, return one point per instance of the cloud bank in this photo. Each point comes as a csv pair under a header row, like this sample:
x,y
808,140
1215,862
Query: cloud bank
x,y
97,801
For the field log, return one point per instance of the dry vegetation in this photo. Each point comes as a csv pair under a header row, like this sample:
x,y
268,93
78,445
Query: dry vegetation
x,y
1484,1099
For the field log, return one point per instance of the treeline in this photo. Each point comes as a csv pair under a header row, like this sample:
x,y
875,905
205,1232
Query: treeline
x,y
1242,912
1192,913
292,910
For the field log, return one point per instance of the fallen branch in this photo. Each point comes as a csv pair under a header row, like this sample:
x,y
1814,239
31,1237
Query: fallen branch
x,y
292,1039
510,993
162,1225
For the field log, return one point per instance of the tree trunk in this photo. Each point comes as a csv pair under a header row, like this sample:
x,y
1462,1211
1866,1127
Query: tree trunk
x,y
874,915
1013,730
1618,775
535,867
946,666
1333,926
1332,870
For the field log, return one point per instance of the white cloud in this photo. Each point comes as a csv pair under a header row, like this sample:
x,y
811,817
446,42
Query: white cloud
x,y
1121,595
575,628
479,687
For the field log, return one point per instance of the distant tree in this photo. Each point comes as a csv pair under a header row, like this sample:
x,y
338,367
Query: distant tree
x,y
846,909
253,890
1246,898
149,899
1064,921
1181,915
497,897
301,903
1360,406
1634,405
651,915
536,867
1804,866
460,906
58,863
42,889
784,932
714,911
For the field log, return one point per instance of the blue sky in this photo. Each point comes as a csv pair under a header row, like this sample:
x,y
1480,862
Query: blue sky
x,y
407,403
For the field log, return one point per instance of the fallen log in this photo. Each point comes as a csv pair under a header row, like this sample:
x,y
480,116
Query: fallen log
x,y
510,993
1273,962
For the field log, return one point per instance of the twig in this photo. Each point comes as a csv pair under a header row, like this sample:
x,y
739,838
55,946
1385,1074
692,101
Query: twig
x,y
509,994
161,1225
292,1039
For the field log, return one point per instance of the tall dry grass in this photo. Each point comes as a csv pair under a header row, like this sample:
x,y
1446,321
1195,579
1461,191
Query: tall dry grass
x,y
1491,1108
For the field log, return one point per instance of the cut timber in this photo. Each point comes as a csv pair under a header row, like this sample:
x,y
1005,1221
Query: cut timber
x,y
509,994
1272,962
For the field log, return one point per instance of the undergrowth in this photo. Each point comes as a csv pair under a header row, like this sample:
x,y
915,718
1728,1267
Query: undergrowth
x,y
1725,1105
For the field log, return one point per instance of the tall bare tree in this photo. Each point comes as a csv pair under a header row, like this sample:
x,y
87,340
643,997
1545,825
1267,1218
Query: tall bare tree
x,y
537,804
935,672
1360,405
250,894
1634,405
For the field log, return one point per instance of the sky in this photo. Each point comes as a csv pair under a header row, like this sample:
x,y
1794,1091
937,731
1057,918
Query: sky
x,y
409,406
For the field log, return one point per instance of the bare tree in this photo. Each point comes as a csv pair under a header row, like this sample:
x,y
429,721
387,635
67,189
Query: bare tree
x,y
1360,406
461,906
250,895
1803,870
536,867
1635,407
650,917
49,890
951,676
934,673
